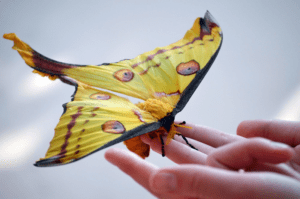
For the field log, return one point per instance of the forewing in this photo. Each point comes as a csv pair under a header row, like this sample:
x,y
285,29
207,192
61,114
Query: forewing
x,y
164,72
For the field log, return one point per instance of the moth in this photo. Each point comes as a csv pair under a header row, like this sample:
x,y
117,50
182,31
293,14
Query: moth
x,y
164,78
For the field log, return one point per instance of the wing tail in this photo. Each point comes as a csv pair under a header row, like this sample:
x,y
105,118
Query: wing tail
x,y
42,65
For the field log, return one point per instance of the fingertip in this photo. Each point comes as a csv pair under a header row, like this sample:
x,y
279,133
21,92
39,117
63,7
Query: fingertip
x,y
244,127
124,160
241,127
250,128
283,151
265,150
109,153
113,154
275,152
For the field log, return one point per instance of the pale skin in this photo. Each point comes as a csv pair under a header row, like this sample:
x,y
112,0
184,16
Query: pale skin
x,y
261,161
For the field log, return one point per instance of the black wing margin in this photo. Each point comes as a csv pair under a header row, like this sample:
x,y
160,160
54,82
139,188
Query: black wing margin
x,y
206,24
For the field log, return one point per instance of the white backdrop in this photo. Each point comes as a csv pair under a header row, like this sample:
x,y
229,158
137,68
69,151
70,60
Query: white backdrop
x,y
255,76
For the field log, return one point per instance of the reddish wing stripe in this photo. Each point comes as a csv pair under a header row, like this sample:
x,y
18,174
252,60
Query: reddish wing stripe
x,y
163,94
146,70
69,133
137,113
150,57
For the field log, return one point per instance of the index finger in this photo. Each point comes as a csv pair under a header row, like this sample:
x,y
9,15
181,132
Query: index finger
x,y
207,135
134,166
287,132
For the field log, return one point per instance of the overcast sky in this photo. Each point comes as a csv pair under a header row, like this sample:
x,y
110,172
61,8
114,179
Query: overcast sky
x,y
255,76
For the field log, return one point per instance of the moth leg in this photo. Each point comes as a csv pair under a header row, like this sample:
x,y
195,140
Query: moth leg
x,y
186,141
162,146
184,138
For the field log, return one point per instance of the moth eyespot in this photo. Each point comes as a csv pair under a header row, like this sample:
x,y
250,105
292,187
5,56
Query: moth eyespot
x,y
188,68
124,75
100,96
113,126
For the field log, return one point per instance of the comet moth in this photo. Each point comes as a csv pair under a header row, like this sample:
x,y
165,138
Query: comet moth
x,y
164,78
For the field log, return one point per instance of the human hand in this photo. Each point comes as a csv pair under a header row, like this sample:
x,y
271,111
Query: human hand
x,y
228,153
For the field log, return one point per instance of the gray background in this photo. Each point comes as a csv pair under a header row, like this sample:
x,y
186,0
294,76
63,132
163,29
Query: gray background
x,y
255,76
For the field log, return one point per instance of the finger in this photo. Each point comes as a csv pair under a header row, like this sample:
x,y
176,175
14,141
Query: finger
x,y
206,182
208,135
132,165
176,151
246,153
276,130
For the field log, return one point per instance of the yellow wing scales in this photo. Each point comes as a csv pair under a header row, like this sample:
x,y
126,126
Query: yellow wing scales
x,y
166,68
91,120
110,77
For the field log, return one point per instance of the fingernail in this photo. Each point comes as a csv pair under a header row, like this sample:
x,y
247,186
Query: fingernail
x,y
163,182
280,145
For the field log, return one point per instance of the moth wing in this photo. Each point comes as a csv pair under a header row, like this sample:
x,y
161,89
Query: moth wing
x,y
92,121
164,73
